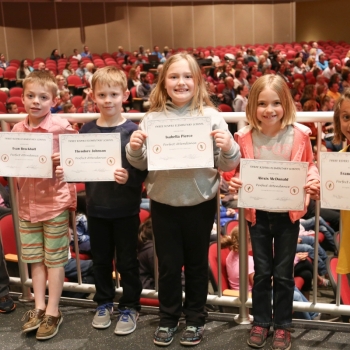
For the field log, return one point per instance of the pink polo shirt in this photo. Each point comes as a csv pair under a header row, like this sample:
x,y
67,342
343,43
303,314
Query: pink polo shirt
x,y
43,199
232,268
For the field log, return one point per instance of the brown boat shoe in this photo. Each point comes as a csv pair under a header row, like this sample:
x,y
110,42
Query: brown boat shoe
x,y
49,326
35,317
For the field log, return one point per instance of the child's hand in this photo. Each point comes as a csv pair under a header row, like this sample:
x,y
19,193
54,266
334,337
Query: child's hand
x,y
55,159
59,173
137,139
121,176
302,255
234,185
313,189
223,139
230,212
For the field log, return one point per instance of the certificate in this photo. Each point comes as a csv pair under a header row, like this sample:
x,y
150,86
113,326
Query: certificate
x,y
182,143
335,180
272,185
90,157
26,154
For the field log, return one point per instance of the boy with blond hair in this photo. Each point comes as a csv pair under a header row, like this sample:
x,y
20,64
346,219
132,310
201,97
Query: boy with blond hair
x,y
113,209
43,206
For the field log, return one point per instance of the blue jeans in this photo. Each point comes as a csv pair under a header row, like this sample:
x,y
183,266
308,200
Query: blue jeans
x,y
274,241
307,245
298,296
309,224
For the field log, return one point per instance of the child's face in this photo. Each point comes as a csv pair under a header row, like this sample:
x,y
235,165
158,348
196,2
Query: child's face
x,y
109,99
296,97
37,100
269,111
179,83
72,109
65,97
344,115
14,109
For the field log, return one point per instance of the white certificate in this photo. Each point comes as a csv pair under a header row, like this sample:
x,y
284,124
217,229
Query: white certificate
x,y
182,143
25,154
272,185
335,180
90,157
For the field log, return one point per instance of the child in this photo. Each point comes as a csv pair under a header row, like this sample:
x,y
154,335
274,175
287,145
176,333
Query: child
x,y
273,135
43,210
113,209
183,202
342,133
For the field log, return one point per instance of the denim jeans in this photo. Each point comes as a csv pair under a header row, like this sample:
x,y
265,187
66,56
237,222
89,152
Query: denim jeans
x,y
298,296
307,245
274,240
309,224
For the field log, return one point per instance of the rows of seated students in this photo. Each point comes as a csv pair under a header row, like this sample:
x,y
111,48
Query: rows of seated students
x,y
316,72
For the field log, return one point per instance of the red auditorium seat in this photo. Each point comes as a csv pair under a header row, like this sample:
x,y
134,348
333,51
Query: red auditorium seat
x,y
224,108
17,100
16,91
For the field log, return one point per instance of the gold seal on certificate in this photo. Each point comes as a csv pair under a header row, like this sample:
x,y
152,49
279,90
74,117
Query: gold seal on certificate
x,y
335,180
25,154
272,185
90,157
181,143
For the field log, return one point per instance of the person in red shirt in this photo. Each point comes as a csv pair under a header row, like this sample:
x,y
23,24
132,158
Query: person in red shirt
x,y
43,205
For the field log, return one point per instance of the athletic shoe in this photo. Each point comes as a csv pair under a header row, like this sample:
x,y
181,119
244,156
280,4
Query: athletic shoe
x,y
192,335
127,321
49,326
34,319
6,304
257,337
163,336
281,340
102,318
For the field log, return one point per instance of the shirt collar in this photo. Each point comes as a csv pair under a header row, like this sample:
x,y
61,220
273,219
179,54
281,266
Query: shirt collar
x,y
45,123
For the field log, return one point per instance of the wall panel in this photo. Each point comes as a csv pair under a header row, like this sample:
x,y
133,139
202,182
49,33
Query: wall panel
x,y
161,26
140,25
70,34
283,23
44,29
263,23
203,24
224,25
17,25
105,26
244,24
183,25
117,26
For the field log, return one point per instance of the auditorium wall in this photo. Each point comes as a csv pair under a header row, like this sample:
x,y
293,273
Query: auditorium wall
x,y
35,29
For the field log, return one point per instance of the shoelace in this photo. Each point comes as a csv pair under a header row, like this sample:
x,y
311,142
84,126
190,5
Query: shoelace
x,y
280,334
125,314
192,329
102,309
47,321
30,314
258,330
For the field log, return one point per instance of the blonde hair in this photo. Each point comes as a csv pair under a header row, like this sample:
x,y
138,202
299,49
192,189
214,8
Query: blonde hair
x,y
277,84
338,135
89,66
43,78
159,95
231,241
111,76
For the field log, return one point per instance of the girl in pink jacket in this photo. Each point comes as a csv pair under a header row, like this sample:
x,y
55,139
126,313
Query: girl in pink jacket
x,y
272,134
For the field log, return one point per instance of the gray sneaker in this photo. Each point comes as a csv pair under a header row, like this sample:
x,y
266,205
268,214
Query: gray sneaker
x,y
127,321
102,318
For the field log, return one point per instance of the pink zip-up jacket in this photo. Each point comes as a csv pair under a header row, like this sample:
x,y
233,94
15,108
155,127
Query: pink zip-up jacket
x,y
301,152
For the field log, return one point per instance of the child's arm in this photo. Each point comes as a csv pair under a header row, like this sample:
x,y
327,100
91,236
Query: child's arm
x,y
226,150
136,152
